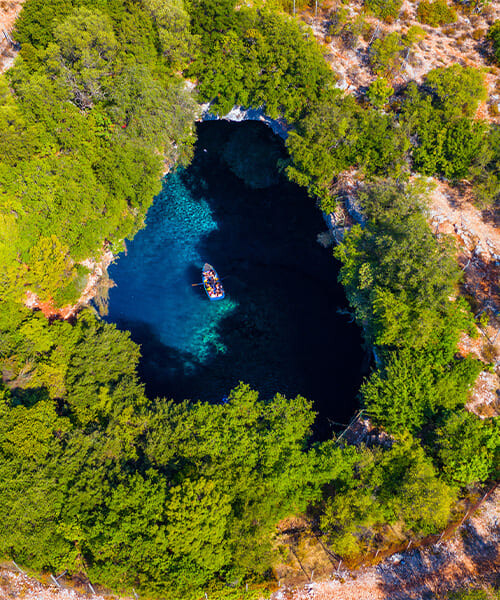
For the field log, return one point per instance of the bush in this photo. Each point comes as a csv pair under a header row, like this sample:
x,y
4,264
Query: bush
x,y
338,18
477,34
379,92
476,594
386,54
494,37
388,10
352,30
414,35
349,29
436,13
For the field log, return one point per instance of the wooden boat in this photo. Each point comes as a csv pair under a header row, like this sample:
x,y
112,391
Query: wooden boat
x,y
211,283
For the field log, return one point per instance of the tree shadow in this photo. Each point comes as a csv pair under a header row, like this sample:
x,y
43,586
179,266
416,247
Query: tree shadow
x,y
483,551
414,575
28,396
420,574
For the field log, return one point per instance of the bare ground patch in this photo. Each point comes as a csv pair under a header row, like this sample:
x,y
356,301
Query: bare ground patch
x,y
9,11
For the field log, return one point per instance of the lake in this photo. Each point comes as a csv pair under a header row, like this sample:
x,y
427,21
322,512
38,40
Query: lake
x,y
278,328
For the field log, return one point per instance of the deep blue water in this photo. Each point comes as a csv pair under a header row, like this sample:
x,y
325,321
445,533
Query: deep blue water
x,y
278,328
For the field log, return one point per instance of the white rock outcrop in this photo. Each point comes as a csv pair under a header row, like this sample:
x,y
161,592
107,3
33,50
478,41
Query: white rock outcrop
x,y
238,113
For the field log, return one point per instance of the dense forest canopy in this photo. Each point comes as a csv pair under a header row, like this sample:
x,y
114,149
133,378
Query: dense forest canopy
x,y
180,499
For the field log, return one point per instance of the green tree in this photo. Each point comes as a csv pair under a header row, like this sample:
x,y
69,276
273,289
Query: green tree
x,y
254,454
419,498
458,90
382,146
173,22
212,19
414,386
485,169
50,266
30,445
494,36
388,10
84,55
35,24
386,54
463,142
263,59
469,448
337,134
198,521
379,92
323,144
152,115
398,277
380,487
449,141
435,13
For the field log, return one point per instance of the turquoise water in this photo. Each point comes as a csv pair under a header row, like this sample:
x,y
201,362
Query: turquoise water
x,y
154,281
278,328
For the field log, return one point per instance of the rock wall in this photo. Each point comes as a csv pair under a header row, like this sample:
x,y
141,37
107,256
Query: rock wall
x,y
238,113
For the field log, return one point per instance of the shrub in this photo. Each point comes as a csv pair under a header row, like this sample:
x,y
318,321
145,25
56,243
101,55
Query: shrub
x,y
414,35
477,34
352,30
338,19
494,37
379,92
436,13
388,10
385,55
475,594
349,29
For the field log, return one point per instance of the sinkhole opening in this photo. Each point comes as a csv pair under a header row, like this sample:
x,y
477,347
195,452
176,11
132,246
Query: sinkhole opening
x,y
278,328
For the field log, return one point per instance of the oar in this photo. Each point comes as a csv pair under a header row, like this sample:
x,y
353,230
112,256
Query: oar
x,y
222,279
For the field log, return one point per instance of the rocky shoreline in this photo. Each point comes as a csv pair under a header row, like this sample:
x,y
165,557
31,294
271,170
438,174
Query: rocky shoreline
x,y
98,274
239,113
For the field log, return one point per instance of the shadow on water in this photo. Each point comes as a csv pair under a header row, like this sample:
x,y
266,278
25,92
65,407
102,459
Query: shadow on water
x,y
284,333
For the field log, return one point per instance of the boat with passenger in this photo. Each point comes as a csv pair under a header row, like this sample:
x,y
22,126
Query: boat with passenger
x,y
211,282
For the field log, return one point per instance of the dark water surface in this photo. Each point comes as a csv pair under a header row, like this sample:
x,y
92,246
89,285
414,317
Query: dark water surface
x,y
278,328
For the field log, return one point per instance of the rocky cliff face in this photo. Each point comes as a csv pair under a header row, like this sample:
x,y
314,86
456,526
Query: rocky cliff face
x,y
238,113
478,253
